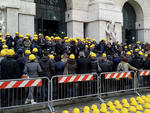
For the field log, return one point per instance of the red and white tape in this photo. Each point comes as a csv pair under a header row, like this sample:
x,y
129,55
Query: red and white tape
x,y
77,78
117,75
20,83
144,73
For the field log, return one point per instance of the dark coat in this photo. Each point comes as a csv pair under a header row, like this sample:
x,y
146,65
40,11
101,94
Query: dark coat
x,y
47,66
106,66
93,65
21,61
9,68
59,67
83,65
71,67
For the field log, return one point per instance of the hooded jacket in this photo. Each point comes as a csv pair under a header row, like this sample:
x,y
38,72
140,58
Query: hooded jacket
x,y
47,67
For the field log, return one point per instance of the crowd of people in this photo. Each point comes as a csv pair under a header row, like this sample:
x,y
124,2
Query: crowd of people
x,y
48,56
44,56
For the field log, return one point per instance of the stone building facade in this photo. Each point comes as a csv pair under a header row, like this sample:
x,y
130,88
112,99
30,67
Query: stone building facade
x,y
117,20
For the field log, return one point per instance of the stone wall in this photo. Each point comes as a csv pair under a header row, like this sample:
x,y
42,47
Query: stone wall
x,y
96,13
14,9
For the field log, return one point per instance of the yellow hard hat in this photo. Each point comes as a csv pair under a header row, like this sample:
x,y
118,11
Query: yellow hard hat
x,y
105,39
147,111
51,57
125,47
40,34
35,50
1,34
115,111
32,57
86,46
128,53
26,37
86,108
3,53
66,38
17,33
138,42
35,35
140,53
94,107
72,56
118,43
96,111
76,110
136,49
94,40
35,38
3,40
139,107
65,111
10,52
138,112
109,103
66,41
21,36
5,46
104,55
7,34
130,45
93,55
27,52
132,109
124,110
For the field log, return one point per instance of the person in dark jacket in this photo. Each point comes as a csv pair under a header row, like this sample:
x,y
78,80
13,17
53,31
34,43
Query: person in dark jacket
x,y
21,61
9,41
71,66
83,64
47,71
9,66
59,66
47,66
93,63
9,71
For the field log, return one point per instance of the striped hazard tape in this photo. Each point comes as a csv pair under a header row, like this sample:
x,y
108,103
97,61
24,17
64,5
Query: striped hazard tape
x,y
20,83
144,73
117,75
77,78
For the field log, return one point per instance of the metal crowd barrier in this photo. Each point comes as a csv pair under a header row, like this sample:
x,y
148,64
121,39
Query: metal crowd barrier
x,y
74,86
115,82
143,79
21,92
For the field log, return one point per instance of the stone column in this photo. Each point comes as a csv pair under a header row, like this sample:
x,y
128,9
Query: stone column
x,y
75,23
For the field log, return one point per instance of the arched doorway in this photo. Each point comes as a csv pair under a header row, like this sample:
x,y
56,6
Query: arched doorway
x,y
50,17
129,24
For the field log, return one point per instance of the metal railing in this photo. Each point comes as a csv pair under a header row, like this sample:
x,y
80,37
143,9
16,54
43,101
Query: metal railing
x,y
24,92
20,92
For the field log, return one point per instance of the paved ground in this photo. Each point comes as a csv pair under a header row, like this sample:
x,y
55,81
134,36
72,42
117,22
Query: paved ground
x,y
69,105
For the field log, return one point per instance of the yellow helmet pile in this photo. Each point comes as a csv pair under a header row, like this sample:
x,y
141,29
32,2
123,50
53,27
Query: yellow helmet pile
x,y
133,105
